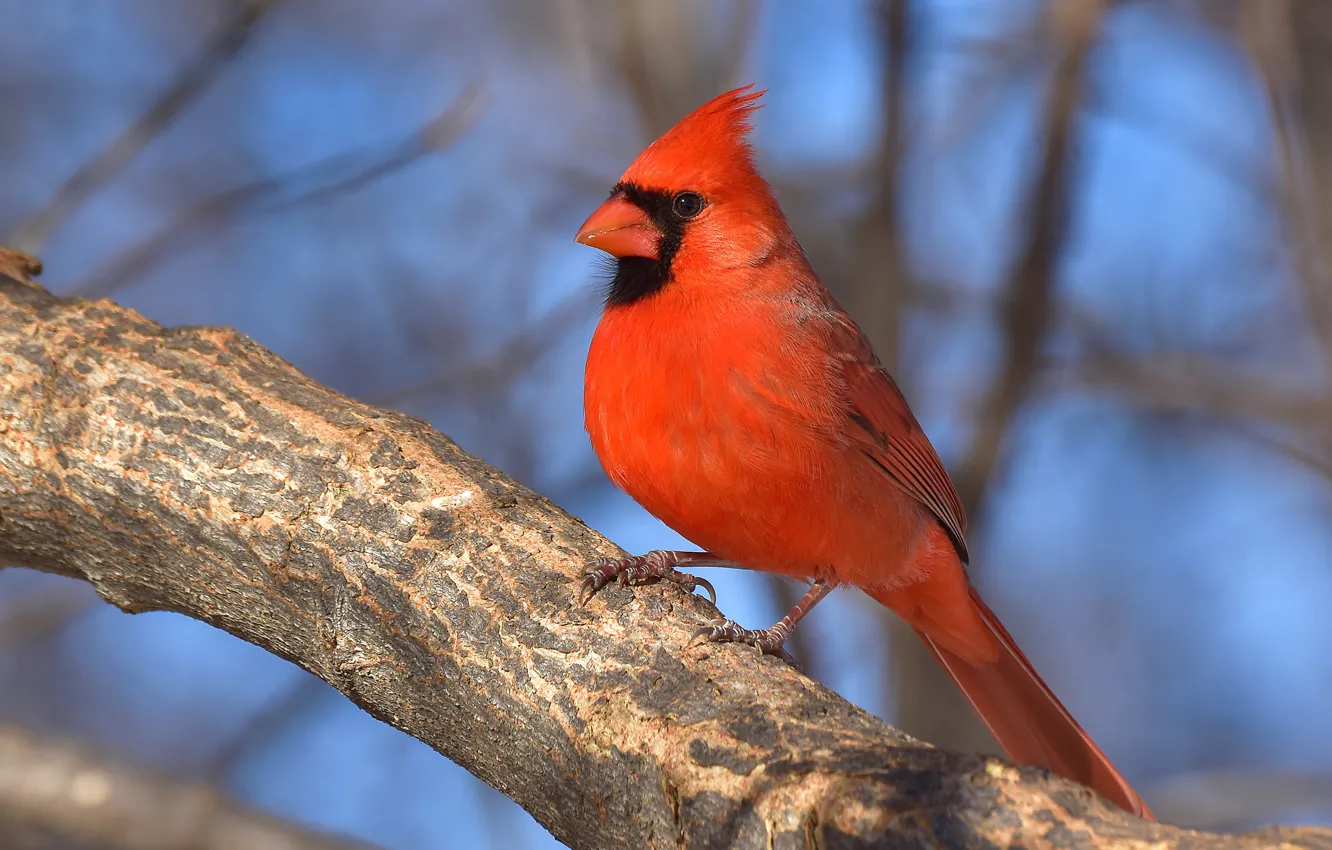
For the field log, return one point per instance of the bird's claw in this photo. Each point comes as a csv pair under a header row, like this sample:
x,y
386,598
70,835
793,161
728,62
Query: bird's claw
x,y
639,569
696,582
596,575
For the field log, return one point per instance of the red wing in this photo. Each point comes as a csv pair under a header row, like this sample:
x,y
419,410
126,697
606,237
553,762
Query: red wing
x,y
883,427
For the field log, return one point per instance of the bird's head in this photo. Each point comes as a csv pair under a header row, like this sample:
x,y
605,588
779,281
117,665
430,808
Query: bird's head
x,y
690,207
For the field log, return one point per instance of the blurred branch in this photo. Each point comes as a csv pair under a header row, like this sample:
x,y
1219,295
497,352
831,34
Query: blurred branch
x,y
60,790
1251,406
1171,382
881,271
1295,73
1266,30
190,470
1026,317
1177,383
633,65
264,727
743,28
316,182
668,68
514,357
31,233
43,614
1289,449
999,59
1228,799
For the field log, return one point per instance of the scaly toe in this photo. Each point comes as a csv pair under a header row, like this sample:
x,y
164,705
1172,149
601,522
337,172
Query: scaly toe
x,y
720,630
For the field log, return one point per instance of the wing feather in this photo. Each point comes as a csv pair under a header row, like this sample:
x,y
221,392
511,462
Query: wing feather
x,y
883,428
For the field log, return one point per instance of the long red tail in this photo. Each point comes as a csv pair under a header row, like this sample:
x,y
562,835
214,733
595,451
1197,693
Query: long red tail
x,y
1025,716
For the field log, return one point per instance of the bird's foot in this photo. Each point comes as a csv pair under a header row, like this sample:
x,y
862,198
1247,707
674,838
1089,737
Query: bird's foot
x,y
722,630
639,569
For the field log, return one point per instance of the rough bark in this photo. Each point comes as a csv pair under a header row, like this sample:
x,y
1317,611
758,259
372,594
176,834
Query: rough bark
x,y
62,792
191,470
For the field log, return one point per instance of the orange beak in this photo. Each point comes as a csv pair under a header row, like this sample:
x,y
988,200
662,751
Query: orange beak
x,y
621,229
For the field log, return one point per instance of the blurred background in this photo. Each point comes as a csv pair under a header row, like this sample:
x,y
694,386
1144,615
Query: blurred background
x,y
1091,238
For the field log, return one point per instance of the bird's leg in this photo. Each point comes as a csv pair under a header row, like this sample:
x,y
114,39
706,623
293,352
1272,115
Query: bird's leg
x,y
657,564
769,640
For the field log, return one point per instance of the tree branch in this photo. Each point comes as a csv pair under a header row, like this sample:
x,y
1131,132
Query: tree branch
x,y
60,791
191,470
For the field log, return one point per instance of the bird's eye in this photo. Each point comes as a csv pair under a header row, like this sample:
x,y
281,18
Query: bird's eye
x,y
687,204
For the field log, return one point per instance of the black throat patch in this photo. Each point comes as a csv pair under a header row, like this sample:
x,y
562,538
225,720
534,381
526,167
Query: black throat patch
x,y
636,278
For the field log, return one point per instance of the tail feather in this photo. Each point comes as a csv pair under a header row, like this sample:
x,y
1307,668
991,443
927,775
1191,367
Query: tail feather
x,y
1025,716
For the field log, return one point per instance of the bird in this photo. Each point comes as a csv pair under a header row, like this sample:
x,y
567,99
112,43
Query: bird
x,y
729,394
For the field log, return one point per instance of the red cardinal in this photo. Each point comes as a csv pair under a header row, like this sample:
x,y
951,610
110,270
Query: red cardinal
x,y
734,399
